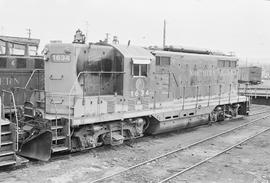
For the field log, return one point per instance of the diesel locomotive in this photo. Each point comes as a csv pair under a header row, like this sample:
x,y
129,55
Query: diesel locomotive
x,y
101,93
21,74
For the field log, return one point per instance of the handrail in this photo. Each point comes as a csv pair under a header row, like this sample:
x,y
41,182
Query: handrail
x,y
32,74
22,88
16,118
209,97
175,79
197,97
70,93
27,83
0,120
56,123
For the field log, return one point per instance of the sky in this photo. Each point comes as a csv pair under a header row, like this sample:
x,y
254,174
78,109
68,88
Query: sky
x,y
241,26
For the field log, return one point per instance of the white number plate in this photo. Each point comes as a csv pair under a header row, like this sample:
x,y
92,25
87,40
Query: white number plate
x,y
61,58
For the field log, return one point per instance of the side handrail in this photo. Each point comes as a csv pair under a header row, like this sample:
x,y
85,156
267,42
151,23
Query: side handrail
x,y
175,79
254,91
56,120
16,117
0,120
31,76
28,81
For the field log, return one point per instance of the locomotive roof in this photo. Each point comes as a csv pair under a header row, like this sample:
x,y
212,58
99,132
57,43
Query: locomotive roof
x,y
249,67
20,40
133,51
171,53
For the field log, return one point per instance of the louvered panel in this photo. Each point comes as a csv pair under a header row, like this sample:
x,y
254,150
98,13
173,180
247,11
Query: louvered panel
x,y
110,106
131,105
145,103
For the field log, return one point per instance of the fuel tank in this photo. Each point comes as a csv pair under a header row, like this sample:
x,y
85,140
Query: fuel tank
x,y
157,127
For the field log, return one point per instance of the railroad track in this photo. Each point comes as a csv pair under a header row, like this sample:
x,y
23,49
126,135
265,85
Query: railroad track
x,y
60,156
212,157
259,112
200,142
258,107
66,155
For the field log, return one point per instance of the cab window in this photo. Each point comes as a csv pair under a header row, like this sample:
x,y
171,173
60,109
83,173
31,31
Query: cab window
x,y
136,69
139,70
3,62
144,70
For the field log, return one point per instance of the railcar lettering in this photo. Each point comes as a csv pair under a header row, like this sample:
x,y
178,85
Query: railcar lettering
x,y
139,93
9,81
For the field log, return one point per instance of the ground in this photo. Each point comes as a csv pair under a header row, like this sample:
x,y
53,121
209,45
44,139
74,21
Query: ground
x,y
247,163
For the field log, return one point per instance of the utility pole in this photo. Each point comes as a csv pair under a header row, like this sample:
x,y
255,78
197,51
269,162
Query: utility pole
x,y
86,34
29,32
164,34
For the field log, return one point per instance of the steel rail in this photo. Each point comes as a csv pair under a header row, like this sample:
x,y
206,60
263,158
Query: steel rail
x,y
260,112
217,154
81,152
177,150
257,108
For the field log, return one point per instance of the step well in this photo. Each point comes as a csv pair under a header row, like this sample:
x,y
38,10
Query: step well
x,y
7,163
56,149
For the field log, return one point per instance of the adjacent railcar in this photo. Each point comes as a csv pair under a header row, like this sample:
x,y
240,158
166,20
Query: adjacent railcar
x,y
99,94
20,69
250,75
21,74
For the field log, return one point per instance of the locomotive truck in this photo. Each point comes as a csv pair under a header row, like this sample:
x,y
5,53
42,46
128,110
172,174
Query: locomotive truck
x,y
97,94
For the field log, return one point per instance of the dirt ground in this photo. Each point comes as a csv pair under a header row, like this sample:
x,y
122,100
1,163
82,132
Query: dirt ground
x,y
249,163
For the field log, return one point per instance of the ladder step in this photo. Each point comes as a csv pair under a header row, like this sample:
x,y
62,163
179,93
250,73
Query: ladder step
x,y
57,127
40,101
6,153
6,133
7,163
31,108
4,122
58,138
30,116
22,160
59,149
6,143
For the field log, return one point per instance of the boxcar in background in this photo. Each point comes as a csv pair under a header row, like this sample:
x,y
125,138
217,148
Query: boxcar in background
x,y
250,75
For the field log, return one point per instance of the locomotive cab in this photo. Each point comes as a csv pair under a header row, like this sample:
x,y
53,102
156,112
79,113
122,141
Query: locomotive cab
x,y
140,78
96,83
138,90
96,74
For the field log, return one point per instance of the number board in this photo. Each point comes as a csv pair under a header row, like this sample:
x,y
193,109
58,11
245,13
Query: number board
x,y
62,58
